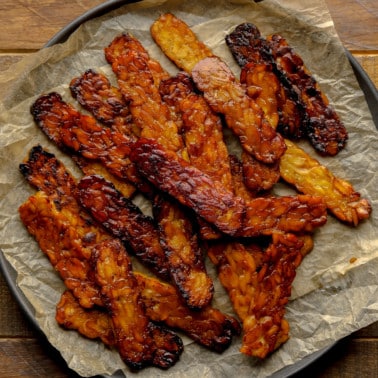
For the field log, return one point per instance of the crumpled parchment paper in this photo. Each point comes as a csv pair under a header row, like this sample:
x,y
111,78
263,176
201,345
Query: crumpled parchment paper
x,y
332,296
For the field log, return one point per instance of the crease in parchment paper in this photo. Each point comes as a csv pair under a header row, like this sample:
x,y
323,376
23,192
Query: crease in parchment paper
x,y
336,285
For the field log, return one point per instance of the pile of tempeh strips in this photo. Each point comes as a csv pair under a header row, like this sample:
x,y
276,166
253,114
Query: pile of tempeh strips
x,y
163,137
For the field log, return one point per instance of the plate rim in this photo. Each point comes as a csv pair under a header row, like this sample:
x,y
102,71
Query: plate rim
x,y
9,273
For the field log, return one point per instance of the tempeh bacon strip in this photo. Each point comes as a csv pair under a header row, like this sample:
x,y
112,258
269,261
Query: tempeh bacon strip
x,y
79,133
208,327
178,42
139,342
66,239
259,285
94,92
325,129
191,187
183,252
123,219
138,85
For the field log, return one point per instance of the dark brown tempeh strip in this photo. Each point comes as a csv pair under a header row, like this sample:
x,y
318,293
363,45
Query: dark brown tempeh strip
x,y
79,133
191,187
139,342
259,72
95,93
325,129
124,220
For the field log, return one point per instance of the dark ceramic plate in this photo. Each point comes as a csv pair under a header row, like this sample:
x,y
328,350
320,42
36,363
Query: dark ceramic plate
x,y
10,275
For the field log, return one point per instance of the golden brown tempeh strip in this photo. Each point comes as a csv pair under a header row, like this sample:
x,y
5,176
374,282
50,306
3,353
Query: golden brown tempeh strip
x,y
310,177
93,323
266,215
139,342
178,42
259,285
66,239
226,95
136,82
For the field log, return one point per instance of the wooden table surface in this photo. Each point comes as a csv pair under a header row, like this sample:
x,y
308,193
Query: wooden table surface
x,y
26,25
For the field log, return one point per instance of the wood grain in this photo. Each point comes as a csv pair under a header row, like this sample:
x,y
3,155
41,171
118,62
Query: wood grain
x,y
35,22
